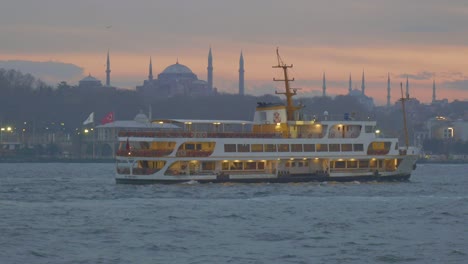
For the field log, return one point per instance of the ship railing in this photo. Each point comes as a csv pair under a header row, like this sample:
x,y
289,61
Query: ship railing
x,y
337,117
346,135
309,135
144,171
378,152
365,170
244,171
174,172
123,170
196,134
193,153
143,152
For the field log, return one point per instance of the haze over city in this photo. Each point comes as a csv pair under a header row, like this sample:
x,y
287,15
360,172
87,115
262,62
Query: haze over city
x,y
424,40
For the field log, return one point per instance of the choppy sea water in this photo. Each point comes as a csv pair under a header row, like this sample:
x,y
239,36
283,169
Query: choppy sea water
x,y
75,213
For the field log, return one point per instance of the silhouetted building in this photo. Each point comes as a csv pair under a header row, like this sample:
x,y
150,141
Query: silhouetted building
x,y
407,87
210,70
241,75
89,82
435,102
388,91
177,79
108,70
324,86
363,99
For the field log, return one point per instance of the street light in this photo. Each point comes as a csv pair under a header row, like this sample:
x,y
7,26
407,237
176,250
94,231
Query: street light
x,y
5,129
88,131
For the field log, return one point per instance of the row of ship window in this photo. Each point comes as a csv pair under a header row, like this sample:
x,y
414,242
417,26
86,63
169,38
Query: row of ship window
x,y
292,147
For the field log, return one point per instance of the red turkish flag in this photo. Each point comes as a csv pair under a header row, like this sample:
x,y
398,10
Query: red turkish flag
x,y
109,118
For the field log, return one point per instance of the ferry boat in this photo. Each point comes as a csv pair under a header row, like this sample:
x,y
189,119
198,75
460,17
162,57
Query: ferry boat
x,y
277,147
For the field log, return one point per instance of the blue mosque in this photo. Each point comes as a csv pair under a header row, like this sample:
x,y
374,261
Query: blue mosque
x,y
360,95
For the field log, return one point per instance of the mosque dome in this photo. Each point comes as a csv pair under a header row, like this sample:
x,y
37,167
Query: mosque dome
x,y
355,92
89,78
89,82
176,72
141,118
177,69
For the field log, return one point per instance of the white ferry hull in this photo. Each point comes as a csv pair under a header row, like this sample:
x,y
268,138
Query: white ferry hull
x,y
403,173
263,179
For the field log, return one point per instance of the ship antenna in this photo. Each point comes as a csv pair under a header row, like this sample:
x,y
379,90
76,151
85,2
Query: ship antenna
x,y
289,93
403,99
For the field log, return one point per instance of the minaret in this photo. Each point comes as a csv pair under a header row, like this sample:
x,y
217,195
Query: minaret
x,y
241,74
210,70
108,70
407,87
150,71
363,84
433,91
324,86
350,88
388,90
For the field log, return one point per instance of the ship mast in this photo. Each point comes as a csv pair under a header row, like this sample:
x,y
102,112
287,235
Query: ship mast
x,y
403,100
289,92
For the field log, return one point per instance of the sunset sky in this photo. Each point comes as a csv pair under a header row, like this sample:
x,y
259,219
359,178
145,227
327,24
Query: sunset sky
x,y
421,39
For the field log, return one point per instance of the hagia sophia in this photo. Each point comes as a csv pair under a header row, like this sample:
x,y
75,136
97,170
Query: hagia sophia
x,y
175,79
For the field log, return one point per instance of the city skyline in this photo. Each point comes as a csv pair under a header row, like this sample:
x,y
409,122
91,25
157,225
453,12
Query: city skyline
x,y
424,40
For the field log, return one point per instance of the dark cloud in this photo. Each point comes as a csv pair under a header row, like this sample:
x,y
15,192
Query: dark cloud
x,y
461,85
452,75
48,71
424,75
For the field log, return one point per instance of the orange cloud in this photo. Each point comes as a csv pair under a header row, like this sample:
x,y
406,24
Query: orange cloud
x,y
309,64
